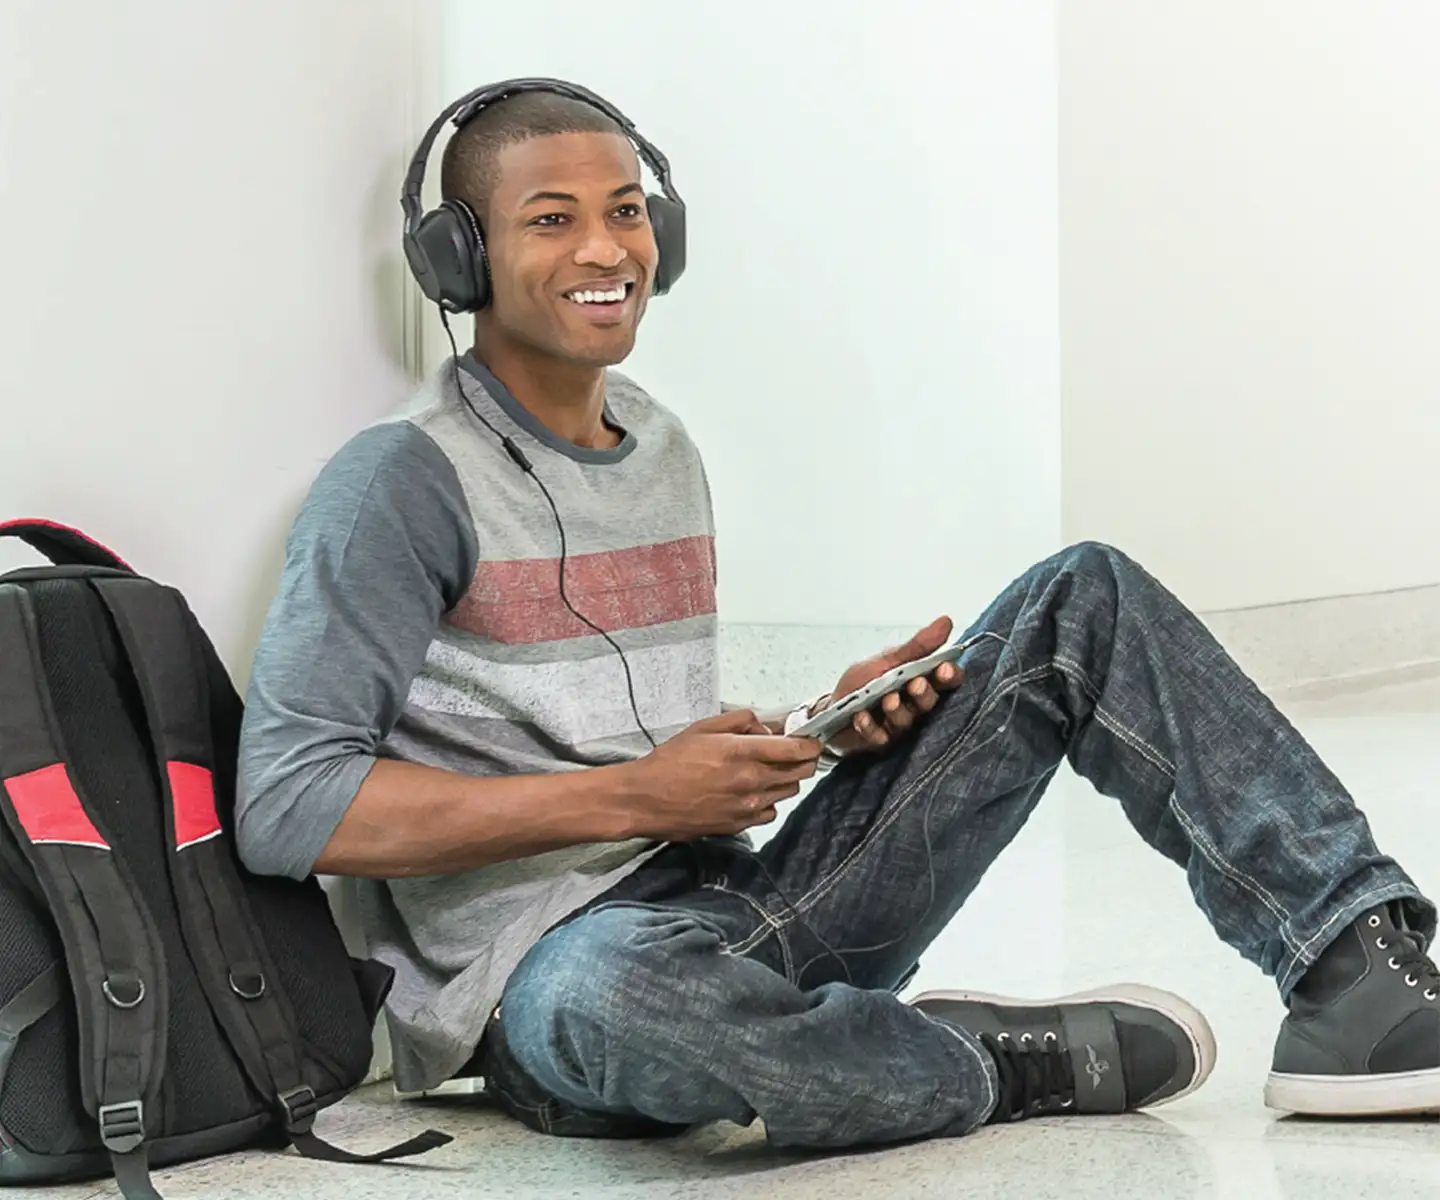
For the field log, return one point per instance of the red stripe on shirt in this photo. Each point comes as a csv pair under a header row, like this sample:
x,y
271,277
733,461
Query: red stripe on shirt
x,y
518,602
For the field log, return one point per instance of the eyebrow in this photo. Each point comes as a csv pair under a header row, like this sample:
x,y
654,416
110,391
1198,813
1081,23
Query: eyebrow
x,y
566,198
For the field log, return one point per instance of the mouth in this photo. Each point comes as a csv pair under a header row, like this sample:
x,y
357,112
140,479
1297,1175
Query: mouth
x,y
604,301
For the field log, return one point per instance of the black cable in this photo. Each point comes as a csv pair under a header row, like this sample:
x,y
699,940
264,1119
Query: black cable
x,y
518,456
523,463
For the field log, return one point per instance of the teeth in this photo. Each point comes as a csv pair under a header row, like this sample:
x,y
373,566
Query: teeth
x,y
589,297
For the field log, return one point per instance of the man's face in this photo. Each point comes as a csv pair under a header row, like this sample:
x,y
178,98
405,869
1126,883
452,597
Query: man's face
x,y
572,254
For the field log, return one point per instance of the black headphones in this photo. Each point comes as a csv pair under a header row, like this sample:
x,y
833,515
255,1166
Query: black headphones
x,y
445,247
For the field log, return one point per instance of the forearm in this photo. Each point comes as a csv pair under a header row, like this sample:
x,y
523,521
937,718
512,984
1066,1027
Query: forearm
x,y
408,819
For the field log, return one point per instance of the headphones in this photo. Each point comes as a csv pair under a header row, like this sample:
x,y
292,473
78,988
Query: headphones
x,y
445,247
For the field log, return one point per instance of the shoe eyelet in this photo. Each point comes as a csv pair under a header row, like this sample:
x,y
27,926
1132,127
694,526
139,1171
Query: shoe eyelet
x,y
1382,944
1067,1104
1051,1037
1003,1037
1411,981
1394,964
1374,922
1026,1039
1431,994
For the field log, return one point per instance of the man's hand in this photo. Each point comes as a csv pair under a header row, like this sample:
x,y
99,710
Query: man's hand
x,y
898,712
719,776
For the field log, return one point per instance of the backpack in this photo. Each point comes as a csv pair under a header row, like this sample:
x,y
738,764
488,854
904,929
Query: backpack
x,y
158,1002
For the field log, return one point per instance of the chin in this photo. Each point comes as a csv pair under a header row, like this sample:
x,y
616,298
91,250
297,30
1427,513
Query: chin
x,y
610,353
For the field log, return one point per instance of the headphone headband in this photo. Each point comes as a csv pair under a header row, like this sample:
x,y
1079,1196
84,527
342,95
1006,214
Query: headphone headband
x,y
470,105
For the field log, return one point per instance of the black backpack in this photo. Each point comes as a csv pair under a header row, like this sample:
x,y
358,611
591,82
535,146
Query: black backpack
x,y
157,1001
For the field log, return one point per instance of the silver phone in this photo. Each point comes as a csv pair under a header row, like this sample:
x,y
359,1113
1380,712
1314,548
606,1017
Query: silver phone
x,y
832,720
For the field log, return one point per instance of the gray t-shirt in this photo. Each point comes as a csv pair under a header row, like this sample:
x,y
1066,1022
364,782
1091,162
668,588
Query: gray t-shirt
x,y
419,617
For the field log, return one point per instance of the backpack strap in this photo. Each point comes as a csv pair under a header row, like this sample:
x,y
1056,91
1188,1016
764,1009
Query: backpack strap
x,y
62,545
113,953
240,980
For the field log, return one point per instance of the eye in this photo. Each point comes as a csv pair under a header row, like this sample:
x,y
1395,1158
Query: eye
x,y
549,220
628,212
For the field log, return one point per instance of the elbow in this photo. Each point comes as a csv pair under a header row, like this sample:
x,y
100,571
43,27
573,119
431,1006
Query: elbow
x,y
262,846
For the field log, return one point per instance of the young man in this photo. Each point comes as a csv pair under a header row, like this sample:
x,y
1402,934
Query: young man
x,y
428,714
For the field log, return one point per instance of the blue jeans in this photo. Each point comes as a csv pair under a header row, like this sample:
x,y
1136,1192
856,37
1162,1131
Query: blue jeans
x,y
699,990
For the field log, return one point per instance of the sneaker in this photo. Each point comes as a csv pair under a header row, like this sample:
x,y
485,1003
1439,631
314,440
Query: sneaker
x,y
1363,1034
1106,1051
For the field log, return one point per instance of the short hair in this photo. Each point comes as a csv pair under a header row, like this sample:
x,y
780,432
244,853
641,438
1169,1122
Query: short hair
x,y
470,169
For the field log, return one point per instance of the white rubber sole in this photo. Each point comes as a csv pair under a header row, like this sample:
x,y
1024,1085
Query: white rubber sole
x,y
1183,1013
1403,1094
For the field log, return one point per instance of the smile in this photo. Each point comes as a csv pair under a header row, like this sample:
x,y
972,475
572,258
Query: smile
x,y
615,294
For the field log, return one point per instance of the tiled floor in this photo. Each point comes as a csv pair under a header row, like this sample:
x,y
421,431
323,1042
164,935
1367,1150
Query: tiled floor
x,y
1078,900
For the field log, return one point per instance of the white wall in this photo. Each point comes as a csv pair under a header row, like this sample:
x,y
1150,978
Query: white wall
x,y
1249,302
867,328
202,298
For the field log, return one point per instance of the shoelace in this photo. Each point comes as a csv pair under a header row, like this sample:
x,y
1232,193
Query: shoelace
x,y
1408,955
1035,1076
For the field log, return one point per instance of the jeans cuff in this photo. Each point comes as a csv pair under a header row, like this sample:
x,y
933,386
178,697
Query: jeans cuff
x,y
1420,916
992,1080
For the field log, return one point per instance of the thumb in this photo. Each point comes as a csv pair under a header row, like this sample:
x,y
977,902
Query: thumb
x,y
932,637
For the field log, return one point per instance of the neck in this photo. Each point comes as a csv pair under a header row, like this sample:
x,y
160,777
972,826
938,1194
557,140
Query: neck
x,y
567,398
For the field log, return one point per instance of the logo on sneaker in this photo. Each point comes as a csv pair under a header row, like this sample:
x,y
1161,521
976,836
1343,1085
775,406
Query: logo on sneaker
x,y
1096,1067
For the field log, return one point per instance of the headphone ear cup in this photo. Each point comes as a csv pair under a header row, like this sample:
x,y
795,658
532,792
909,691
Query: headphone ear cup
x,y
451,270
667,219
478,258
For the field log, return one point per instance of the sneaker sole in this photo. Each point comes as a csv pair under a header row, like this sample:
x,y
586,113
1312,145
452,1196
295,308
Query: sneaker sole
x,y
1401,1094
1184,1014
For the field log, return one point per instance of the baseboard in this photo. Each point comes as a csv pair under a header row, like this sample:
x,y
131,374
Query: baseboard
x,y
1311,649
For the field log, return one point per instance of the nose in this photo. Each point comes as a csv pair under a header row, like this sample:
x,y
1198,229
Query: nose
x,y
599,248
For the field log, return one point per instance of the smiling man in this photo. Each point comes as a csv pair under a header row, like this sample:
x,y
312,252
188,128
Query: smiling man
x,y
546,831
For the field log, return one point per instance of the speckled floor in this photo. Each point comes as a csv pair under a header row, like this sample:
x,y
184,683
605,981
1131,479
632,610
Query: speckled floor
x,y
1077,901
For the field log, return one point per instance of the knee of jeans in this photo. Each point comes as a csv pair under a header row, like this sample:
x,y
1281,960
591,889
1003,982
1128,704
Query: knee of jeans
x,y
1094,556
592,979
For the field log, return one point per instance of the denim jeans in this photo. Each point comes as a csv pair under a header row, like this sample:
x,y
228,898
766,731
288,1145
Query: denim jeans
x,y
711,986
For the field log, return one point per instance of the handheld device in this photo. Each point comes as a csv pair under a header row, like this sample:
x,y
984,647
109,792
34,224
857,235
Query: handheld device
x,y
830,721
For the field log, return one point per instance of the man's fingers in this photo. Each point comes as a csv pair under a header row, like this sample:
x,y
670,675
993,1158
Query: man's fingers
x,y
899,716
871,730
948,676
921,695
779,750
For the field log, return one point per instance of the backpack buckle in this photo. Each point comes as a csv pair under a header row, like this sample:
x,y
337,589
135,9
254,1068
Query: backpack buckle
x,y
300,1108
122,1126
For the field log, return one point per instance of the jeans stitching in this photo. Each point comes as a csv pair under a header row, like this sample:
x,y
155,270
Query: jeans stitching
x,y
1077,672
1205,846
509,1098
888,818
1070,667
1300,957
987,1067
1136,743
769,925
1224,866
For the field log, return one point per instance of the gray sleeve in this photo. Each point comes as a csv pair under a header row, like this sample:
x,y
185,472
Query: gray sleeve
x,y
383,546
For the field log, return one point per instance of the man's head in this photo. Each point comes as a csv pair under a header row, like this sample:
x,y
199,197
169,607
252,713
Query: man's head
x,y
555,185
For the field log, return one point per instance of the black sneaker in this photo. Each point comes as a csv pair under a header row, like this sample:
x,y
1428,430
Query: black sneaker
x,y
1363,1034
1107,1051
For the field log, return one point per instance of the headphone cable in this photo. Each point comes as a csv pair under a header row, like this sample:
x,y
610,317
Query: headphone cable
x,y
518,456
524,464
